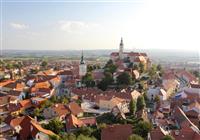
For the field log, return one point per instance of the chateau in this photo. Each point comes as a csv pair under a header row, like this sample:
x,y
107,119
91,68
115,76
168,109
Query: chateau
x,y
129,57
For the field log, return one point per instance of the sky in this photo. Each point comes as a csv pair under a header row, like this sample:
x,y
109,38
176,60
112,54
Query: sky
x,y
100,24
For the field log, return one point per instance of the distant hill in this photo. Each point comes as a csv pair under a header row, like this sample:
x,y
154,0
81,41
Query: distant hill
x,y
156,55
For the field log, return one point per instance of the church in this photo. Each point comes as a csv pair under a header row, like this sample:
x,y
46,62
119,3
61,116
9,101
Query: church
x,y
129,57
82,67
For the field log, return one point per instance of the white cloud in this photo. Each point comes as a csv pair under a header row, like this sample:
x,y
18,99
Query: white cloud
x,y
19,26
76,26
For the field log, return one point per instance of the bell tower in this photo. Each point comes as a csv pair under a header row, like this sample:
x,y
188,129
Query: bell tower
x,y
121,49
82,66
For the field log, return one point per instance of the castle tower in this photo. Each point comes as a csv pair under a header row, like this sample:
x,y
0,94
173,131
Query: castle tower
x,y
121,49
82,66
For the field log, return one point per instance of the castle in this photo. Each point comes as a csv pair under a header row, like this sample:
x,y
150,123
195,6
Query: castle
x,y
129,57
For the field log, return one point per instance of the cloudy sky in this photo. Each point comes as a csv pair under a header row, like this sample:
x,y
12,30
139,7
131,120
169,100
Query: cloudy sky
x,y
98,24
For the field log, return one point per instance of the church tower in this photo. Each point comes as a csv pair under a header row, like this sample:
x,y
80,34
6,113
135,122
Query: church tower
x,y
82,66
121,49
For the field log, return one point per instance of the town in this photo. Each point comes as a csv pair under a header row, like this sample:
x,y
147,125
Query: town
x,y
126,98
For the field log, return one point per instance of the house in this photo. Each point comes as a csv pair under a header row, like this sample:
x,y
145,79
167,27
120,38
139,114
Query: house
x,y
39,133
98,75
65,75
183,121
170,86
153,92
135,94
136,74
4,99
75,109
72,122
142,114
187,76
27,128
188,95
11,85
183,128
120,110
58,110
109,102
116,132
14,108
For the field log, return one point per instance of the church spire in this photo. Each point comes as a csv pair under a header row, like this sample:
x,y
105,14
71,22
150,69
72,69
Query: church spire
x,y
121,49
121,43
82,59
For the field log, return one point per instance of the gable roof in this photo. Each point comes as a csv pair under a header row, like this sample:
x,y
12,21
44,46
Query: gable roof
x,y
74,108
73,121
60,109
116,132
37,128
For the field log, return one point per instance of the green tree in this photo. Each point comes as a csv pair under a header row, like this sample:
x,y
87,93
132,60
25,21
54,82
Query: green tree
x,y
103,85
108,77
159,67
124,79
71,136
44,64
141,67
64,100
140,103
67,136
54,99
36,112
168,137
86,131
153,71
82,137
110,67
54,125
90,68
88,80
142,128
107,80
135,67
46,104
145,97
54,137
135,137
157,99
132,106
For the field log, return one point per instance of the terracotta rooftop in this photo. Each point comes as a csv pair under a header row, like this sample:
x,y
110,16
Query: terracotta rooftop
x,y
116,132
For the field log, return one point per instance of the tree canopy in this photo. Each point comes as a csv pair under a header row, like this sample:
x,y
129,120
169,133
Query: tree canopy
x,y
88,80
132,106
143,128
168,137
124,79
135,137
107,80
54,125
110,67
140,103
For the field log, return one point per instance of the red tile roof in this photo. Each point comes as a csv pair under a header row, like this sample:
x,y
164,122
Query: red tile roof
x,y
116,132
61,109
37,128
74,108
